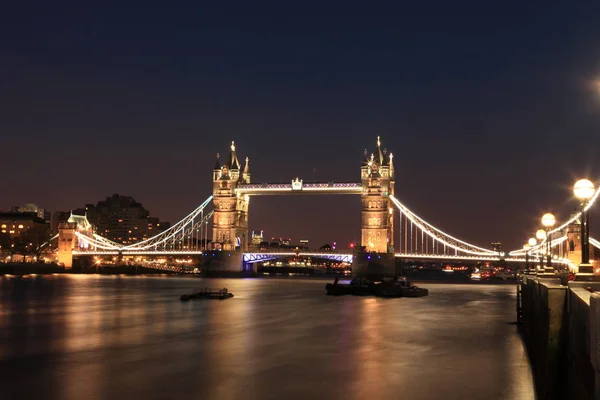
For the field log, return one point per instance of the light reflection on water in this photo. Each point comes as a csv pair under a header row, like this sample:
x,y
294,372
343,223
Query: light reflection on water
x,y
101,337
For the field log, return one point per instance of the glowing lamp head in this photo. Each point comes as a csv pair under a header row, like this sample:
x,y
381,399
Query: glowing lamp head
x,y
548,220
584,189
540,234
532,242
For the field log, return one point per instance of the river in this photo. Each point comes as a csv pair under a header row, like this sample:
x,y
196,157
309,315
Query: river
x,y
116,337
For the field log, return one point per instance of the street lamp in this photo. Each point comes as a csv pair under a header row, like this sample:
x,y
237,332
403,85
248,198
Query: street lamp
x,y
541,235
526,247
584,190
530,243
548,221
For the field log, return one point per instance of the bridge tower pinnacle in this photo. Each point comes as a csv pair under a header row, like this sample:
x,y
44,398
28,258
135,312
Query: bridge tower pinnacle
x,y
230,219
377,177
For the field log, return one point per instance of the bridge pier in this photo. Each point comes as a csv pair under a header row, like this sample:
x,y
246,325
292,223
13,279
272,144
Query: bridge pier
x,y
225,264
372,265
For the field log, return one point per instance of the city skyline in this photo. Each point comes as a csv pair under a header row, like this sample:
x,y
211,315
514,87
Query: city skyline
x,y
492,115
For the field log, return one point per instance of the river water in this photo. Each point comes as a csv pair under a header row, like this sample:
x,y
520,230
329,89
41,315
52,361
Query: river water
x,y
116,337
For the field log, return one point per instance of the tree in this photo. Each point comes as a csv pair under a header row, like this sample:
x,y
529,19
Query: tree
x,y
11,244
5,242
28,243
34,239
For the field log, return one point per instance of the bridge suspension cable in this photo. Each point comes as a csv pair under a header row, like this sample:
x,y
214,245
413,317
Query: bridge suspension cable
x,y
185,234
439,237
47,243
172,231
540,247
560,228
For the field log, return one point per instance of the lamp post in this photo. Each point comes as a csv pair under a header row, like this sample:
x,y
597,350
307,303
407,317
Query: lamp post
x,y
541,235
526,247
548,221
530,243
584,190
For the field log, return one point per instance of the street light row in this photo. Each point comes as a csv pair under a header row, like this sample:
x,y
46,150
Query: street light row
x,y
583,190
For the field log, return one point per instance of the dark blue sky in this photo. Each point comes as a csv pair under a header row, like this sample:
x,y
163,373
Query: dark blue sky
x,y
490,107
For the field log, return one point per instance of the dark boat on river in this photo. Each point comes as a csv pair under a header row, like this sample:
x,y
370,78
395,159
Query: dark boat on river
x,y
400,287
207,293
357,287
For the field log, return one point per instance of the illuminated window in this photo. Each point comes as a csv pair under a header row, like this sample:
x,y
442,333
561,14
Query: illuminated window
x,y
4,225
3,230
11,232
20,226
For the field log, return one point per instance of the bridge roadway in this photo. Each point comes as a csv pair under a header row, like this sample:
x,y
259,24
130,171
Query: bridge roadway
x,y
341,256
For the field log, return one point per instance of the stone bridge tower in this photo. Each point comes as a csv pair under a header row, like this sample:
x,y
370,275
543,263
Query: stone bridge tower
x,y
66,243
377,177
230,219
67,238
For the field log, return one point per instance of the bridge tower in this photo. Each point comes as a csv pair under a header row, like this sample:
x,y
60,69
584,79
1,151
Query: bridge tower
x,y
377,177
230,220
67,239
66,243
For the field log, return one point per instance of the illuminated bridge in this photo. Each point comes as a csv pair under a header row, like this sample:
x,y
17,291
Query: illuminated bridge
x,y
389,229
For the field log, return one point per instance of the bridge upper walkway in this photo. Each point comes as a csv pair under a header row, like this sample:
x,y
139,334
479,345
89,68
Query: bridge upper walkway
x,y
298,187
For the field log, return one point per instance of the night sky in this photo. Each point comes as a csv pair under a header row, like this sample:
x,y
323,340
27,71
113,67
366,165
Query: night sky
x,y
490,107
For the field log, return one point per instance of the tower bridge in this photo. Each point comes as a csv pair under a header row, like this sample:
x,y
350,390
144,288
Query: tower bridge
x,y
389,229
232,189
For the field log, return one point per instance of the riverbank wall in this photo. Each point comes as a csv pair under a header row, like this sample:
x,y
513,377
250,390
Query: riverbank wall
x,y
560,326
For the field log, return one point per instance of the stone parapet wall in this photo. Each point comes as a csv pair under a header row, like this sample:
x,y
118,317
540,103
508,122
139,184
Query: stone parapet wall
x,y
561,329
